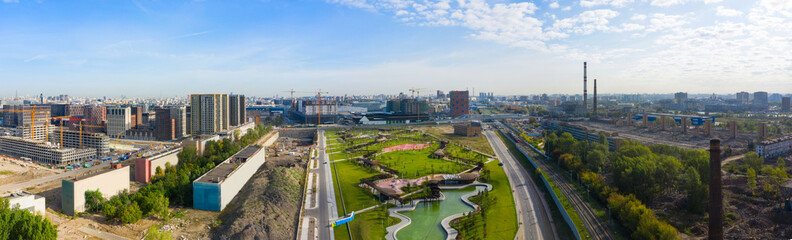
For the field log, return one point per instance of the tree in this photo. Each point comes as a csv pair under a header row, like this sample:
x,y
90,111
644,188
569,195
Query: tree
x,y
696,191
130,213
154,233
596,160
22,224
752,180
753,160
781,163
94,201
159,171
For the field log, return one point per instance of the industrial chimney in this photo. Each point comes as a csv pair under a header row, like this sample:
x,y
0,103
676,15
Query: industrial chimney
x,y
585,91
595,97
715,192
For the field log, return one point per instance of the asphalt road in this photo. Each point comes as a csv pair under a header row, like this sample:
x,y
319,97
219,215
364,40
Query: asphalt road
x,y
533,213
326,203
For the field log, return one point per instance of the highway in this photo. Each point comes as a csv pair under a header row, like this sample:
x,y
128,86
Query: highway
x,y
596,227
533,212
326,208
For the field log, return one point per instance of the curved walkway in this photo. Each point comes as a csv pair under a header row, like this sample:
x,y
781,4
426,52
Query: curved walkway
x,y
451,233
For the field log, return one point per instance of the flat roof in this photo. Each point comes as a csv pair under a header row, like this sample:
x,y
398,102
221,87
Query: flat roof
x,y
227,167
101,171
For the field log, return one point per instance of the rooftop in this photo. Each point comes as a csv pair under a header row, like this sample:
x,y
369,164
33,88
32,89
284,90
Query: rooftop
x,y
227,167
777,140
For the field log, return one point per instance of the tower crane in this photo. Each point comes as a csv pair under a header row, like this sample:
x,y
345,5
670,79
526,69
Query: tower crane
x,y
417,90
32,118
318,95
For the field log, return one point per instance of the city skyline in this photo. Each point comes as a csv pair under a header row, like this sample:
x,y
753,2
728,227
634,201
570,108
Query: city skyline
x,y
357,47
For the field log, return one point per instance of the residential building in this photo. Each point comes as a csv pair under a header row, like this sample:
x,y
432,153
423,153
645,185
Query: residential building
x,y
785,104
775,147
744,97
236,110
137,115
680,97
459,103
119,120
166,124
209,113
760,99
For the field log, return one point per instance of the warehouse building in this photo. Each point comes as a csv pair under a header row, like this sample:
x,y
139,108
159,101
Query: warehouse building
x,y
145,166
110,182
71,139
44,152
27,201
215,189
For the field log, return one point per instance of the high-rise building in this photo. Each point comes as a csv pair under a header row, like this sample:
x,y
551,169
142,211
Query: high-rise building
x,y
785,104
137,115
179,114
236,109
119,119
680,97
459,103
440,94
743,97
95,115
166,124
760,99
208,113
21,115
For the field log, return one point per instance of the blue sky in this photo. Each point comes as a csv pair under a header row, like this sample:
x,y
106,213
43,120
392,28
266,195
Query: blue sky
x,y
172,48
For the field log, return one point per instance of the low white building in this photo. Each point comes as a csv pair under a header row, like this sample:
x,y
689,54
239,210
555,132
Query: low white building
x,y
27,201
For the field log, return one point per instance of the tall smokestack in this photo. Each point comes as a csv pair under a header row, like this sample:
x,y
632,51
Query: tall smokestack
x,y
585,91
595,97
715,194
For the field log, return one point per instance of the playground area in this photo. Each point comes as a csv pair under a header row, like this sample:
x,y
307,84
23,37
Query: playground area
x,y
397,184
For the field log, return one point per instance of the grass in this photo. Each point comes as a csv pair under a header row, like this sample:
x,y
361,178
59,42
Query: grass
x,y
479,143
416,163
502,218
6,172
366,225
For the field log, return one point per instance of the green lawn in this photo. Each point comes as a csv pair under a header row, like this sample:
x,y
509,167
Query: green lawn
x,y
367,225
501,217
416,163
479,143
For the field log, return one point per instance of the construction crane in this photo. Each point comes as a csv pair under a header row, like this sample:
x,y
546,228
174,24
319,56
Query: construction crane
x,y
81,131
32,118
418,104
46,131
318,95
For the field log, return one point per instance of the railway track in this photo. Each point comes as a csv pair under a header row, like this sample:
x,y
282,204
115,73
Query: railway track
x,y
596,227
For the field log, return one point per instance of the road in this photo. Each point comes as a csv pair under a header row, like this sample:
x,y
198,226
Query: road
x,y
533,213
596,227
326,208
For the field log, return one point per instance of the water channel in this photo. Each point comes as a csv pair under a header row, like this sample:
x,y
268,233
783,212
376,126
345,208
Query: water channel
x,y
427,216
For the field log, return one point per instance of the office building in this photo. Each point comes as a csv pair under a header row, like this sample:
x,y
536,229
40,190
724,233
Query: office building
x,y
760,99
119,120
307,111
744,97
71,139
95,115
459,103
137,115
209,113
75,110
44,152
236,110
22,115
166,124
785,104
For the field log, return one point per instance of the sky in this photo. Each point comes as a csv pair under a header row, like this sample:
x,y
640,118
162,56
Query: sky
x,y
157,48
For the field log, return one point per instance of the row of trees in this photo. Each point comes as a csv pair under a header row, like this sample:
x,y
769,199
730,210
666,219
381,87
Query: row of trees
x,y
172,186
639,175
22,224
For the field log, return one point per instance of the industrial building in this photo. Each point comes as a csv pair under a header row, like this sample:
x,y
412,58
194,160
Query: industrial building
x,y
468,129
307,111
583,133
119,120
236,110
775,147
215,189
208,113
110,182
44,152
145,166
73,139
459,103
27,201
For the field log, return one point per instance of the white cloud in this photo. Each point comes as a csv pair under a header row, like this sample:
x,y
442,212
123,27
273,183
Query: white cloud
x,y
638,17
10,1
586,22
726,12
554,5
661,21
567,8
668,3
594,3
